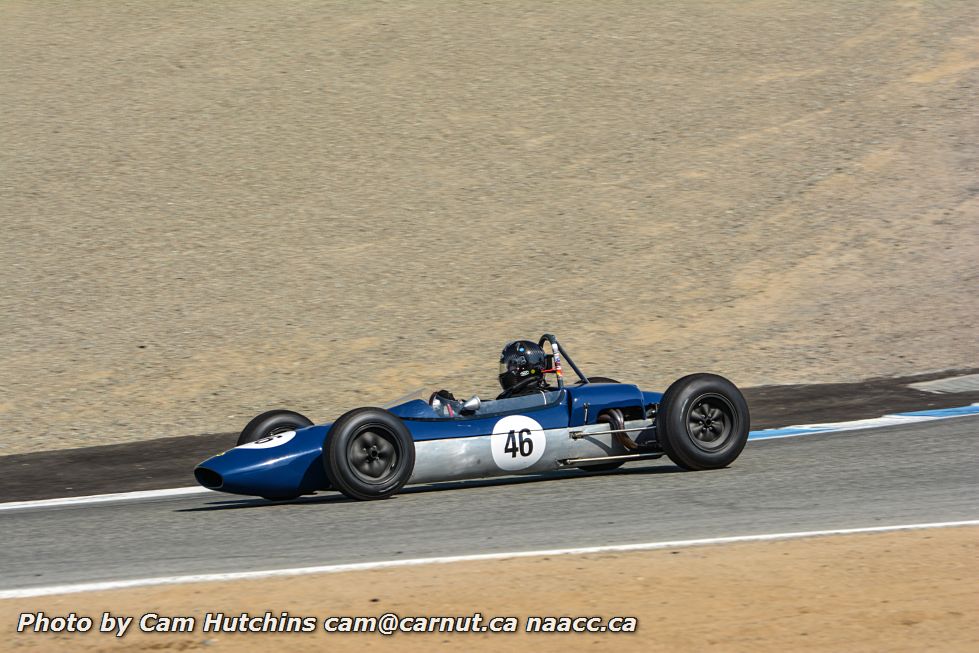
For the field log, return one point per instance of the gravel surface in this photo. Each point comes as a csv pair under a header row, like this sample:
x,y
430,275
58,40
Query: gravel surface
x,y
213,209
903,592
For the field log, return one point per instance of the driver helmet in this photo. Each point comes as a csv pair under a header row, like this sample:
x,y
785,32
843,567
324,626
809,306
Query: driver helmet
x,y
519,360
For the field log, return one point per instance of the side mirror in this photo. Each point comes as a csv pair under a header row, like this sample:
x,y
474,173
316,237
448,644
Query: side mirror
x,y
471,405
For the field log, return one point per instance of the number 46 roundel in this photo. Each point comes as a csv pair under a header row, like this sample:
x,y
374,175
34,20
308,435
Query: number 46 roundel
x,y
518,442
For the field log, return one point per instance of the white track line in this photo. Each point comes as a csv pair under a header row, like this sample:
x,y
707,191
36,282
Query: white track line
x,y
387,564
896,419
106,498
755,436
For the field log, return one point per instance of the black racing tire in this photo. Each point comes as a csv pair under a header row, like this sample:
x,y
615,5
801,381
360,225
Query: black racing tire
x,y
702,422
600,379
603,467
270,423
368,454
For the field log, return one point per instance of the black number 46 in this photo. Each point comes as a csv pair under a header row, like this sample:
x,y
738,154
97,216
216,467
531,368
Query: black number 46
x,y
519,443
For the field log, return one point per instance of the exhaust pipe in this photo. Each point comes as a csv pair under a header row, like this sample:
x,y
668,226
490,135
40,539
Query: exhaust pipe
x,y
616,423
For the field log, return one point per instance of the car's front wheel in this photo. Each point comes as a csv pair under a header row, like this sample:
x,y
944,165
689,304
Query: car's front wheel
x,y
369,454
271,423
268,424
702,422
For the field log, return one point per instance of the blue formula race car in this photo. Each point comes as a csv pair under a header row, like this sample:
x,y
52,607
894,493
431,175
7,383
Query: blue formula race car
x,y
596,424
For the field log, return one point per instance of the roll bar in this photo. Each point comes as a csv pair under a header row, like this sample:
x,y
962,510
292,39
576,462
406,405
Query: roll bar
x,y
556,353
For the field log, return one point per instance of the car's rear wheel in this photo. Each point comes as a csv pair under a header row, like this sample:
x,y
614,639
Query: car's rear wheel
x,y
600,379
702,422
369,454
271,423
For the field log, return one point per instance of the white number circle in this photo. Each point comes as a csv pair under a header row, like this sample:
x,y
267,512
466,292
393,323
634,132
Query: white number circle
x,y
517,442
270,441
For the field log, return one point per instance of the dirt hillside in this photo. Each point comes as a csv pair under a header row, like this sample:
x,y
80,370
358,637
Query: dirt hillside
x,y
209,209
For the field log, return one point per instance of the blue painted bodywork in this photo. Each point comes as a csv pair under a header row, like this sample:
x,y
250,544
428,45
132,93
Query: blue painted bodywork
x,y
293,468
296,467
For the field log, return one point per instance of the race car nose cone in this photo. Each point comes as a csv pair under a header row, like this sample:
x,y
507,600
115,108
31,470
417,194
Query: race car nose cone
x,y
208,478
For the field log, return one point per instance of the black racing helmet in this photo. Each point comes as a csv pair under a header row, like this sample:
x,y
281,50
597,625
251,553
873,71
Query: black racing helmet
x,y
519,360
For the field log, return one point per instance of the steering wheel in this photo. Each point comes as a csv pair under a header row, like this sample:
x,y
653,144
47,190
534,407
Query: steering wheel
x,y
519,385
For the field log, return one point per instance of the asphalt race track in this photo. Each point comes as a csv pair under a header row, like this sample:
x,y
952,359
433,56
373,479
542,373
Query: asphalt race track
x,y
923,472
169,462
